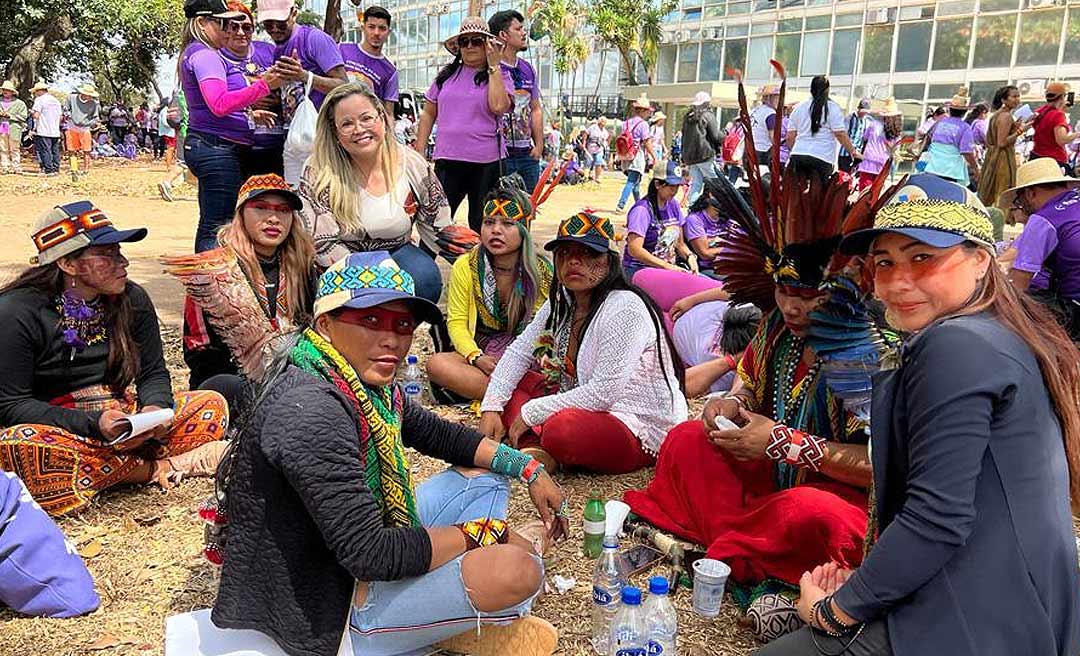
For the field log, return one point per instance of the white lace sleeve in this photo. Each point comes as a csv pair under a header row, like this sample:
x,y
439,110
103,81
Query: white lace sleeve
x,y
620,334
513,364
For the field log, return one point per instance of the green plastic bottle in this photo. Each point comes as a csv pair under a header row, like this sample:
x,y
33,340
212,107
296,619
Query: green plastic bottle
x,y
595,517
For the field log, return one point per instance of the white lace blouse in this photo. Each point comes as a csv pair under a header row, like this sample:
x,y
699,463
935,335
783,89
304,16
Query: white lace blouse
x,y
618,371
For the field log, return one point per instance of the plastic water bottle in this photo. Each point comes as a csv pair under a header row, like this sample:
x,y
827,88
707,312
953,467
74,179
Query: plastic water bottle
x,y
661,622
413,381
595,517
609,577
628,632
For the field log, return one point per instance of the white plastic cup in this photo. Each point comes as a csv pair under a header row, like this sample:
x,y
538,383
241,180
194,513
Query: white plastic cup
x,y
710,578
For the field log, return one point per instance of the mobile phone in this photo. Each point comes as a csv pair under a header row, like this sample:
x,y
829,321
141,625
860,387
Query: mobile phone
x,y
641,557
1070,98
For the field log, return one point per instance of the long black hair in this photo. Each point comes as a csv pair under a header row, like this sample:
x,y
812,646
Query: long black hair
x,y
740,326
562,310
451,69
819,104
976,112
1001,94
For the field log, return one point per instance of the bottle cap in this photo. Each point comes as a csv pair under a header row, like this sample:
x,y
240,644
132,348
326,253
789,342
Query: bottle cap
x,y
631,596
411,359
658,585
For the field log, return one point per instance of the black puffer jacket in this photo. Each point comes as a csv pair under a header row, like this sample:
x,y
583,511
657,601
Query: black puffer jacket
x,y
303,524
701,136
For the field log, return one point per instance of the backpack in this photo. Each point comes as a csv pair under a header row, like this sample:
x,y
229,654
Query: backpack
x,y
625,146
732,150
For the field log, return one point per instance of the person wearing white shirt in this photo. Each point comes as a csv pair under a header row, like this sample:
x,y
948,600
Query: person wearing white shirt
x,y
46,112
817,130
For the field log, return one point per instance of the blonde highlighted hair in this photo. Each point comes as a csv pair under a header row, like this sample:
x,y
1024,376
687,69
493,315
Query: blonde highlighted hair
x,y
296,256
332,164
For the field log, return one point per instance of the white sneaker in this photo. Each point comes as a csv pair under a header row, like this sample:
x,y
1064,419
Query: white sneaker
x,y
165,189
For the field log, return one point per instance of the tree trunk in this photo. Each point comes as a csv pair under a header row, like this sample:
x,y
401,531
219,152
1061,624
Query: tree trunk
x,y
631,78
151,73
23,68
332,23
599,78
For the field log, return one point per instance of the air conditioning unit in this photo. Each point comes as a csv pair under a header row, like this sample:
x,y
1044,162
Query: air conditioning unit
x,y
682,36
716,33
444,7
877,16
1038,4
1031,88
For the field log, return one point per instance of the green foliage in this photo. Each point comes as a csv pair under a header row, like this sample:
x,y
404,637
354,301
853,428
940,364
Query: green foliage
x,y
561,21
633,27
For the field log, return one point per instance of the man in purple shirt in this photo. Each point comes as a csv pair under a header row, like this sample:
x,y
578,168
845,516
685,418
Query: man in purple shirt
x,y
365,63
523,126
300,50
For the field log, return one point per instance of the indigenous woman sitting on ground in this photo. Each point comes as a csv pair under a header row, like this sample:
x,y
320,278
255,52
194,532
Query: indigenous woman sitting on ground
x,y
363,191
976,455
609,385
787,488
77,336
494,292
255,287
710,336
324,526
654,226
704,228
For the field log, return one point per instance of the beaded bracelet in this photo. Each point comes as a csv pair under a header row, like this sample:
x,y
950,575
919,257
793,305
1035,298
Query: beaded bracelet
x,y
512,463
473,357
796,448
732,363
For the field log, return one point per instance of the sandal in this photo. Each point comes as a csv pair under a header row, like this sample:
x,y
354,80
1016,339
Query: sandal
x,y
200,462
525,636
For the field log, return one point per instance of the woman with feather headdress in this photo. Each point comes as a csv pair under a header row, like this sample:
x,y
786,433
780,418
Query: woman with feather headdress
x,y
774,478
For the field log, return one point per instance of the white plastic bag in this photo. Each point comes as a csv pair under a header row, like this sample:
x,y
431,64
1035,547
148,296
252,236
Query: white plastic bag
x,y
301,139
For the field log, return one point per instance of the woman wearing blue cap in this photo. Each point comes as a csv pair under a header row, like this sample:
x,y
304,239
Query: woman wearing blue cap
x,y
654,225
325,532
976,455
82,351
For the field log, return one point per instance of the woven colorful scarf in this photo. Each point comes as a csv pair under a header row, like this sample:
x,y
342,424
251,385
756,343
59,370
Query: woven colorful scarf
x,y
382,455
486,294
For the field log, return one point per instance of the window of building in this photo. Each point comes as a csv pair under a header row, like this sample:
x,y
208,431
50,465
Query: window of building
x,y
1040,35
849,20
763,28
984,91
994,40
912,53
734,57
736,8
818,3
941,92
956,8
715,12
908,92
845,45
757,63
818,22
998,5
789,25
691,15
952,44
691,4
877,51
688,59
665,65
738,30
815,49
764,5
1072,38
787,51
711,55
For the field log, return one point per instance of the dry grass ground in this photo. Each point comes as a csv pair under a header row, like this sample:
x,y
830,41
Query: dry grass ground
x,y
142,545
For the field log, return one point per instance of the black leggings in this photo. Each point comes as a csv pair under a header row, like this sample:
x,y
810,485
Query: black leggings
x,y
873,641
808,164
467,179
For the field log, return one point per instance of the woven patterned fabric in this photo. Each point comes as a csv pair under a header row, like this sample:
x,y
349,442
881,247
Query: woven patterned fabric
x,y
583,223
946,216
773,615
508,209
352,279
485,532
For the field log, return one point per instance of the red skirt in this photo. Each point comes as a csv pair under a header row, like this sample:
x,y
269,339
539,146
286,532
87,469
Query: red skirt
x,y
702,494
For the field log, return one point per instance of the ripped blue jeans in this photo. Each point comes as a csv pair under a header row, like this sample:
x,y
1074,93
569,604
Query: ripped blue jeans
x,y
407,616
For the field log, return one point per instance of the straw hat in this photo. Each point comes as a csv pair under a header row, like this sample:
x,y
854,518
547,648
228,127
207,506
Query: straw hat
x,y
1043,170
657,117
960,100
770,90
642,102
471,25
8,85
889,108
88,90
40,86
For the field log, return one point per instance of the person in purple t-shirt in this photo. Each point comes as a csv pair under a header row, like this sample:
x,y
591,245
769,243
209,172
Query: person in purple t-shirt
x,y
523,126
365,63
951,153
654,225
301,50
468,105
703,229
253,59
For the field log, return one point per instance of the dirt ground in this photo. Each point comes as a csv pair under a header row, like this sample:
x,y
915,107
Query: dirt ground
x,y
143,545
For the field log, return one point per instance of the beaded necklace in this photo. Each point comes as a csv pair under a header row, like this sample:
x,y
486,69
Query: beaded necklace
x,y
787,395
81,324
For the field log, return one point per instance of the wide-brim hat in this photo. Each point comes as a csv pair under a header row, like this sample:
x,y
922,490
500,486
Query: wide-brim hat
x,y
960,100
370,278
642,102
270,183
1044,170
68,228
587,229
88,90
658,116
8,85
770,90
931,210
39,86
669,172
471,25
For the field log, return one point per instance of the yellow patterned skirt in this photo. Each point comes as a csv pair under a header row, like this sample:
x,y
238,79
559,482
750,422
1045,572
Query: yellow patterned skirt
x,y
64,471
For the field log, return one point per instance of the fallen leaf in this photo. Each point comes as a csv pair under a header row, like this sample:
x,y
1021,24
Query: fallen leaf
x,y
148,520
91,549
109,641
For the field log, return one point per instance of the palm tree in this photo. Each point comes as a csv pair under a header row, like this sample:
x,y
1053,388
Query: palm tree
x,y
631,27
560,21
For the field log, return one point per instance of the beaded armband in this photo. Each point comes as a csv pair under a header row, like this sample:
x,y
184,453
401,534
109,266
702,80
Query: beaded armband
x,y
484,532
512,463
796,448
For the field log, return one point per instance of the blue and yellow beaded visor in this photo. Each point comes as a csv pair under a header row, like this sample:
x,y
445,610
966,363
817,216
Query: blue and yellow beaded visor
x,y
586,229
509,209
931,210
363,280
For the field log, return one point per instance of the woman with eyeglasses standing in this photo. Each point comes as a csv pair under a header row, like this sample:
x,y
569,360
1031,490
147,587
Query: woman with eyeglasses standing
x,y
467,106
221,123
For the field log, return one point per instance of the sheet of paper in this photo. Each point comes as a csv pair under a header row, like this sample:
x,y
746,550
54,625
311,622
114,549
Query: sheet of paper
x,y
1023,113
137,424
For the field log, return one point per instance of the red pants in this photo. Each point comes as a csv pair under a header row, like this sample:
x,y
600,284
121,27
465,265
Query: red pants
x,y
702,494
596,441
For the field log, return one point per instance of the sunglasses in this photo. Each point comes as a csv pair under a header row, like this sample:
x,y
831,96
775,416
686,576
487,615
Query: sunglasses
x,y
267,206
378,319
236,27
269,25
474,42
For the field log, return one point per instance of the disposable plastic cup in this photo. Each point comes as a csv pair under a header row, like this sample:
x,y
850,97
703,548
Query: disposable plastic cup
x,y
710,578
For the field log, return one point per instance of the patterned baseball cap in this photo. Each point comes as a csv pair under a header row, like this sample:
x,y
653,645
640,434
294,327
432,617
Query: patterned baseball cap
x,y
363,280
270,183
931,210
68,228
587,229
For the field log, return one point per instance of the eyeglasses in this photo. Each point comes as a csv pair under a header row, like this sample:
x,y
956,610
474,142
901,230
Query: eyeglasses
x,y
235,27
378,319
474,42
351,125
267,206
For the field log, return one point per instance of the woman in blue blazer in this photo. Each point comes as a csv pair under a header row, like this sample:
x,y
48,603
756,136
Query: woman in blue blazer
x,y
976,456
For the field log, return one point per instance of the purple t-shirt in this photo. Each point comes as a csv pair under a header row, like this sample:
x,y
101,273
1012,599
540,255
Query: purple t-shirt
x,y
954,132
378,73
517,125
318,54
467,127
700,224
202,63
875,147
1055,226
978,131
660,234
